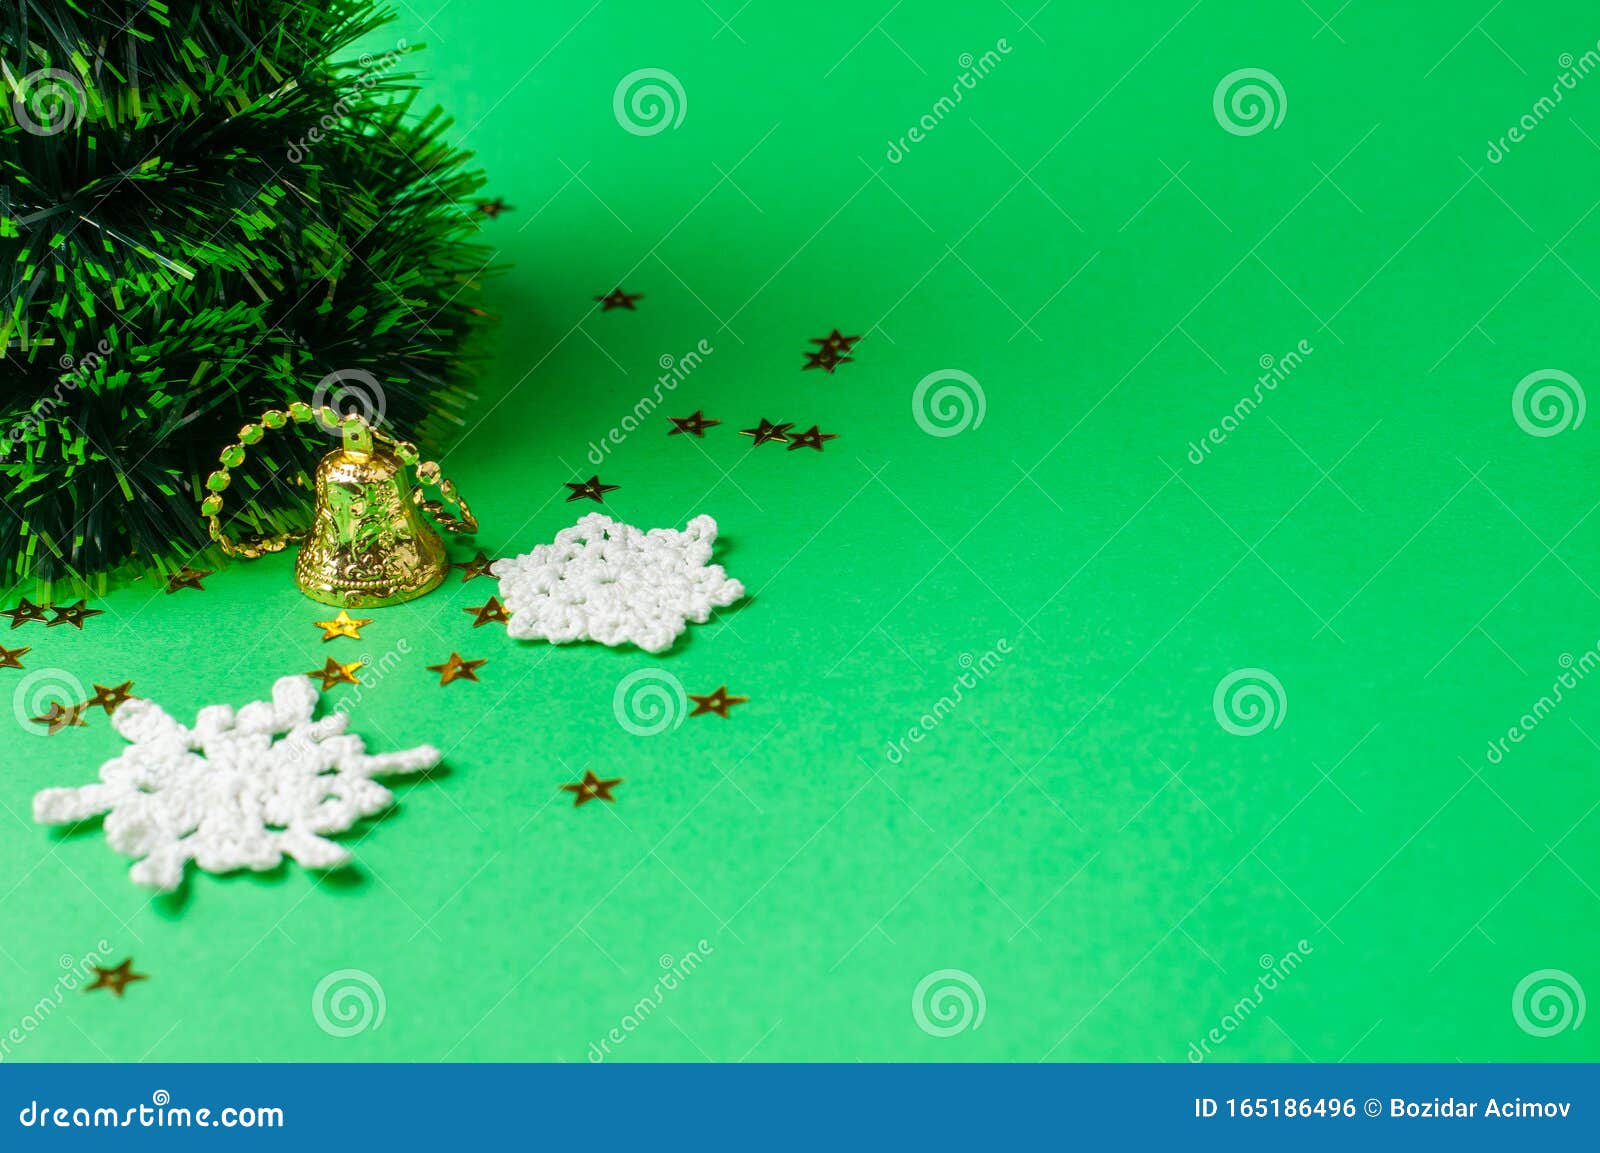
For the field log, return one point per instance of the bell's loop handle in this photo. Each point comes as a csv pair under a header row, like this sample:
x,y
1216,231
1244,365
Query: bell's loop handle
x,y
273,420
359,439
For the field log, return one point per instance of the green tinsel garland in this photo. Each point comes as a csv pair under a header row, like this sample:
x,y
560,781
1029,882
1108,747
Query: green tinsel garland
x,y
206,209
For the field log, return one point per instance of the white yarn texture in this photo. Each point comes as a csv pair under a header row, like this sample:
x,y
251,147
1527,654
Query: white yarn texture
x,y
238,791
606,581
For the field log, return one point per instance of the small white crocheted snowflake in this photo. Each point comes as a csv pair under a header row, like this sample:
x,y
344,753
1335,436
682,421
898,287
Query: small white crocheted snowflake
x,y
238,791
606,581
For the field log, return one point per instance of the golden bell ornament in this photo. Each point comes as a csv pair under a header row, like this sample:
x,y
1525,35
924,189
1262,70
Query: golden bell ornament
x,y
369,543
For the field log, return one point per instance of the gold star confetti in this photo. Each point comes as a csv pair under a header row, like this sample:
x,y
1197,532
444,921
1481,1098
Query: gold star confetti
x,y
718,702
116,979
109,699
766,431
835,341
456,669
343,625
695,424
826,359
591,788
590,489
616,298
334,673
24,612
187,578
73,615
493,208
487,613
811,438
61,717
476,567
12,658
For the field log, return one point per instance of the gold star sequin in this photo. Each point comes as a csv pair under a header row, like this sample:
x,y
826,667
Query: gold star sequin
x,y
24,612
456,669
487,613
73,615
718,702
334,673
116,979
590,489
476,567
60,716
493,208
616,298
187,578
12,658
109,698
695,425
766,431
592,788
343,625
811,438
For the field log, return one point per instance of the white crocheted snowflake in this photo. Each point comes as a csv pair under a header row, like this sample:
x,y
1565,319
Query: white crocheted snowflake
x,y
606,581
238,791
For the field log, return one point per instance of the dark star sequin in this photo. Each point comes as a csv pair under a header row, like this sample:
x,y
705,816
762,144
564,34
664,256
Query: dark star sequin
x,y
811,438
590,489
718,702
592,788
616,298
695,424
766,431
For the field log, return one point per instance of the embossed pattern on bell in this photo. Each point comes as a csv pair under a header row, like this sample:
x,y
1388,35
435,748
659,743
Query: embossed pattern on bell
x,y
369,545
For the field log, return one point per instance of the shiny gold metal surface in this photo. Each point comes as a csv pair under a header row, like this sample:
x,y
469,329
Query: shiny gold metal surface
x,y
369,543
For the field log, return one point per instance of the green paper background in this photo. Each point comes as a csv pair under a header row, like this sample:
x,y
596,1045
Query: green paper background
x,y
1080,835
